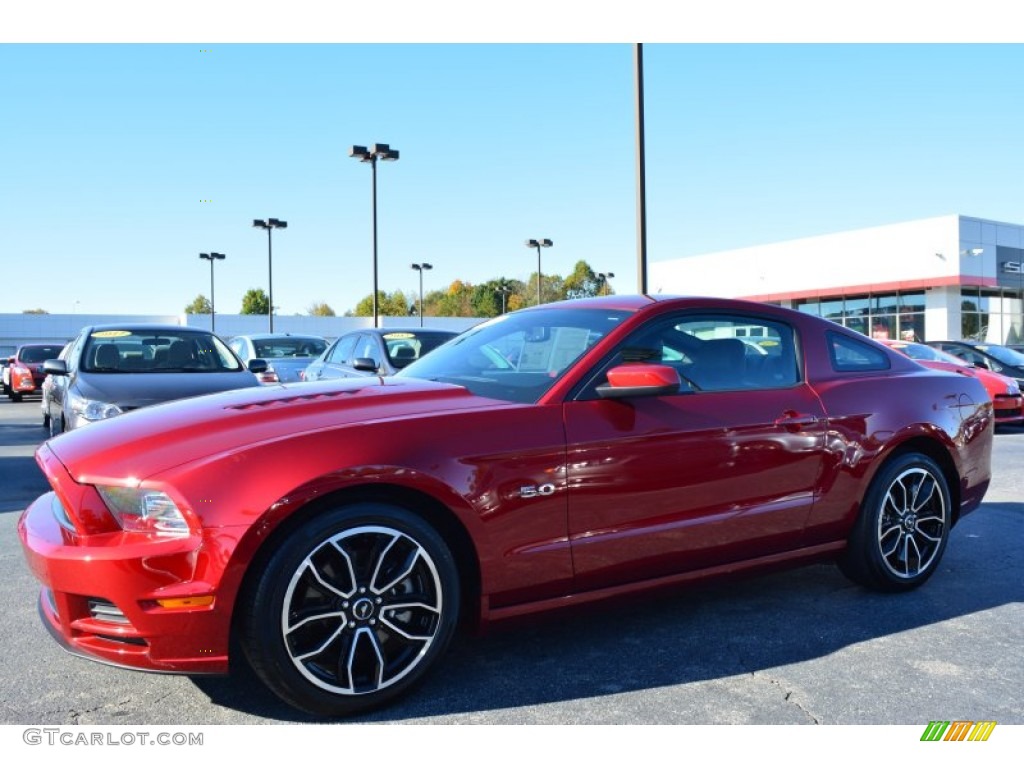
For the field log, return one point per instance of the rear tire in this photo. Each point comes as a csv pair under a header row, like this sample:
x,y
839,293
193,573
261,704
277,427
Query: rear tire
x,y
903,527
351,610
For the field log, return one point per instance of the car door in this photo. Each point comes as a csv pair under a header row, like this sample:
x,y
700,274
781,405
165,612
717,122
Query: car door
x,y
59,405
335,363
723,471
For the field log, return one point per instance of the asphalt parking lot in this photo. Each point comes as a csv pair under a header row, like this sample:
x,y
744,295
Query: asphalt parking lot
x,y
805,646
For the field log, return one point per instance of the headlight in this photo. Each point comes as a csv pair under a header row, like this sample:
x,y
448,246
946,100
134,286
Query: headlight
x,y
1013,388
144,510
92,410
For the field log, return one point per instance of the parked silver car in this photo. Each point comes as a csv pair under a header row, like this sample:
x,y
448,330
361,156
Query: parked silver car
x,y
375,352
112,369
287,355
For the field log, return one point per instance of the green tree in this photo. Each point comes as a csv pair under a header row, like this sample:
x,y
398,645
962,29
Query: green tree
x,y
34,312
552,288
388,305
255,302
456,301
320,309
491,298
200,306
581,282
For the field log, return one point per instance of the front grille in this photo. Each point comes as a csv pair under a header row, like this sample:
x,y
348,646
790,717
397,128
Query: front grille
x,y
103,610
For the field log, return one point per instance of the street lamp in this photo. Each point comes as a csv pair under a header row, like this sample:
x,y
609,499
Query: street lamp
x,y
371,156
604,277
270,225
538,244
212,257
421,268
504,290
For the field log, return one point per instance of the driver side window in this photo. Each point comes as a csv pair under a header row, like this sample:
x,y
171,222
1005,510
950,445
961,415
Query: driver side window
x,y
717,353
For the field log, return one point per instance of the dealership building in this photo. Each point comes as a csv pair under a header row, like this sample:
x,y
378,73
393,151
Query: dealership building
x,y
949,277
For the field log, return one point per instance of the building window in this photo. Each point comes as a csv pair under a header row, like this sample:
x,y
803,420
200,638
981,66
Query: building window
x,y
881,316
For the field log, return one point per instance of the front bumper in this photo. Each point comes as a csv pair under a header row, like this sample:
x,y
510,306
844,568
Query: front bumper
x,y
1009,409
104,596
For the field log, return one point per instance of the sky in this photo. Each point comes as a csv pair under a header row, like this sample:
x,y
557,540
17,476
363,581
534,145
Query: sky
x,y
125,152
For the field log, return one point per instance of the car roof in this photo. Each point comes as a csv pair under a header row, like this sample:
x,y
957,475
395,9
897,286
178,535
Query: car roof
x,y
264,336
146,327
414,330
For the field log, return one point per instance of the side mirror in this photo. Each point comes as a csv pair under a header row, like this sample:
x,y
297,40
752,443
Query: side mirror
x,y
257,365
640,380
365,364
55,367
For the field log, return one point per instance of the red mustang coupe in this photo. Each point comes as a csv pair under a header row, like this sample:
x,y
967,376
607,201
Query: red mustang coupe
x,y
338,532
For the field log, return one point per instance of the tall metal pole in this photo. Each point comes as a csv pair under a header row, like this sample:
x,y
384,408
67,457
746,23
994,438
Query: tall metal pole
x,y
213,303
420,270
538,273
270,279
641,182
373,184
212,257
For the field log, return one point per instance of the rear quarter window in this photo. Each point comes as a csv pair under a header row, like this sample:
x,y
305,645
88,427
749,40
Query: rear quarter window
x,y
850,355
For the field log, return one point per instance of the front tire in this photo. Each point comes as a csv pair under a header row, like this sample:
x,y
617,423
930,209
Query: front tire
x,y
351,610
903,527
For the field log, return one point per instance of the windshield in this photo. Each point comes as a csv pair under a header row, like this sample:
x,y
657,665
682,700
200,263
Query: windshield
x,y
517,357
1004,355
917,351
289,346
403,348
39,354
138,350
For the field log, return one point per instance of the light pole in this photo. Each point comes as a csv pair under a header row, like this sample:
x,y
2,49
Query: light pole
x,y
270,225
604,277
504,290
538,244
212,257
641,172
371,156
421,268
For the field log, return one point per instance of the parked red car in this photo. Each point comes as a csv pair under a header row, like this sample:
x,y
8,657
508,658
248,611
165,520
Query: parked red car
x,y
24,372
573,452
1004,391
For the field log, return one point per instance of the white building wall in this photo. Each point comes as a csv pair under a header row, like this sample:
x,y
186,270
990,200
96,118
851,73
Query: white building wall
x,y
927,249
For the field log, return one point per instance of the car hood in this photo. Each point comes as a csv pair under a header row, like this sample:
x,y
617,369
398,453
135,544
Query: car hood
x,y
145,442
138,390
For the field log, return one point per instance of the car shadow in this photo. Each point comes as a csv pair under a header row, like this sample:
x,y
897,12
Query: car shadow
x,y
21,479
704,633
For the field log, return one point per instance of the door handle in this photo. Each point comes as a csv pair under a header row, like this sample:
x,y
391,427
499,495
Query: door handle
x,y
795,421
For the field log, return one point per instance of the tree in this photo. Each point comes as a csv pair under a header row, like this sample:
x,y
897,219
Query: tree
x,y
388,305
200,306
320,309
490,299
581,282
34,312
255,302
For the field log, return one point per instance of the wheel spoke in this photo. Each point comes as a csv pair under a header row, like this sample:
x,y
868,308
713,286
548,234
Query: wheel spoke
x,y
918,501
320,649
896,531
407,615
410,564
365,663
